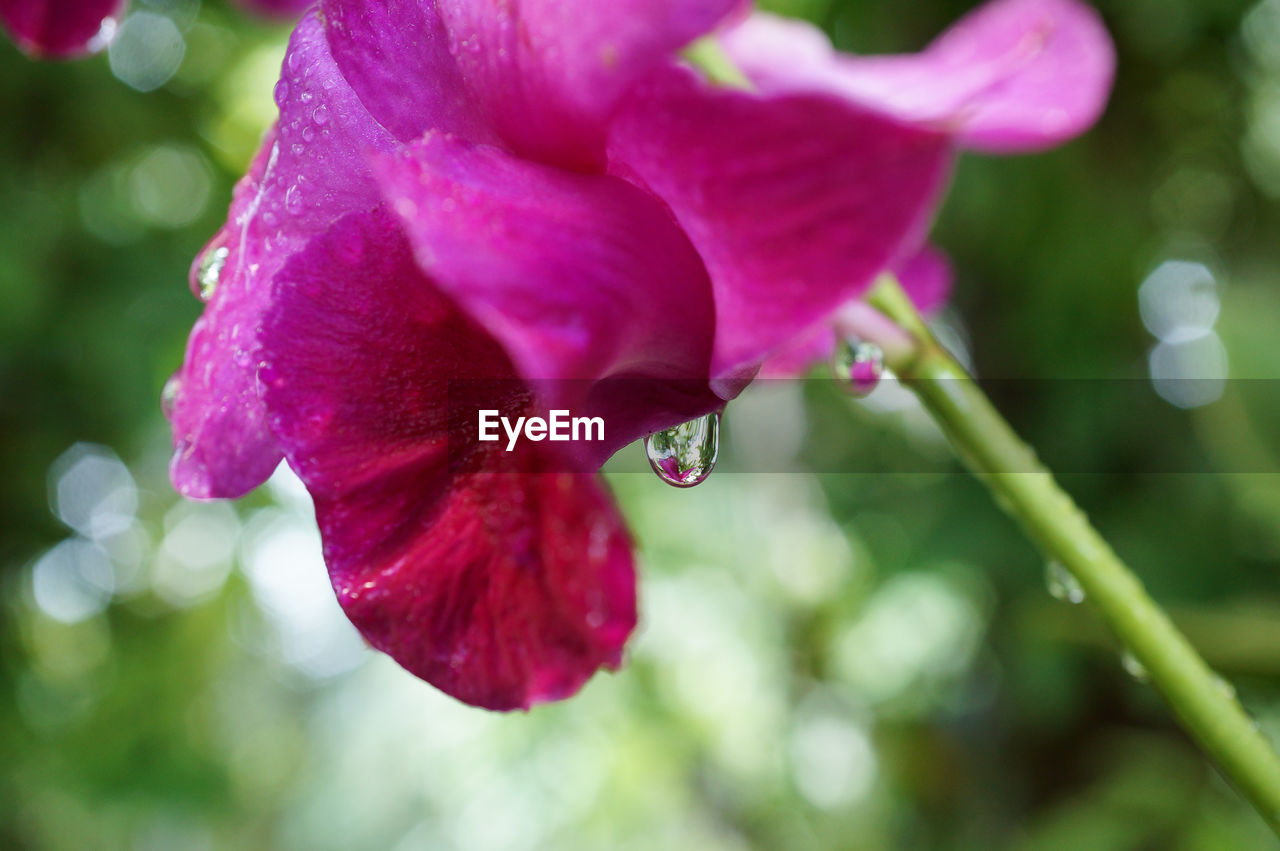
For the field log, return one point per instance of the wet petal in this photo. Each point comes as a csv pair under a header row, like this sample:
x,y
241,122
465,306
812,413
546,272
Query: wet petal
x,y
395,56
60,28
579,276
495,576
1014,75
311,171
924,274
549,71
794,201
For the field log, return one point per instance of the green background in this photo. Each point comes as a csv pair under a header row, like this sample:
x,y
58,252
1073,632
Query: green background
x,y
826,661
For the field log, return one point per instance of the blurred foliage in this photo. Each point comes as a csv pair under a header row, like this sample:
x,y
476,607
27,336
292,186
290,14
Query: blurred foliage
x,y
828,661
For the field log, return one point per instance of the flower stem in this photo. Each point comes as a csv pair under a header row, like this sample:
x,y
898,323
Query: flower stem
x,y
1204,702
708,56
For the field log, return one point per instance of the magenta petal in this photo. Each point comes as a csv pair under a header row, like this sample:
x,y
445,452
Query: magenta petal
x,y
549,71
925,275
395,56
1015,75
490,577
795,202
60,28
578,276
311,171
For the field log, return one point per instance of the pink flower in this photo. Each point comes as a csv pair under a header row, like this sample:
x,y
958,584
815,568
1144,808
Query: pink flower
x,y
534,192
59,29
1014,75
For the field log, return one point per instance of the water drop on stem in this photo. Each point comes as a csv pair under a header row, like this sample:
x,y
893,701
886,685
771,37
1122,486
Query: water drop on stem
x,y
858,366
1134,668
1062,584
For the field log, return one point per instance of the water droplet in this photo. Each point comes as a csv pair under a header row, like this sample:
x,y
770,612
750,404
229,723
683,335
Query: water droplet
x,y
306,97
293,199
1062,584
212,262
685,455
281,92
1134,668
858,366
321,115
169,395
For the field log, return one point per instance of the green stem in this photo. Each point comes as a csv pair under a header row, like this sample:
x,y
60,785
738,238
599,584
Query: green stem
x,y
1027,490
709,57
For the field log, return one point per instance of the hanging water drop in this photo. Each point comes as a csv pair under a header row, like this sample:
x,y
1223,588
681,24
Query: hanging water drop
x,y
210,272
1062,584
1134,668
685,455
169,395
858,366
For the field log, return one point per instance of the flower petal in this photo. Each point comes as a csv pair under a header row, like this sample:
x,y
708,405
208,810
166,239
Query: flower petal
x,y
308,173
495,580
1015,75
549,71
395,56
924,274
580,277
794,201
60,28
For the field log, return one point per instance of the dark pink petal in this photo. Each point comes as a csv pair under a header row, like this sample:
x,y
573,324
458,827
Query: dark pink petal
x,y
489,574
395,56
924,274
795,201
60,28
282,9
549,71
309,172
578,276
1015,75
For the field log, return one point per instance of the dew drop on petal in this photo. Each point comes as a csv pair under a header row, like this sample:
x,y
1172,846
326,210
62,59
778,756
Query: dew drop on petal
x,y
320,115
685,455
281,92
169,395
212,262
1062,584
293,199
858,366
1134,668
